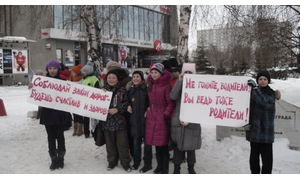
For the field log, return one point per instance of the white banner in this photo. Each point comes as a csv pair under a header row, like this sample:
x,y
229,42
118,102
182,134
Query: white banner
x,y
1,61
69,96
20,61
215,100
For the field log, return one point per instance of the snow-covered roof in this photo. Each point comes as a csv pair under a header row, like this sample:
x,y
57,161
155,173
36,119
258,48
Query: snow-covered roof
x,y
15,39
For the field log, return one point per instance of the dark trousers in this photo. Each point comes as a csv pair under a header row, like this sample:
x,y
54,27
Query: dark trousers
x,y
147,155
266,153
86,124
136,149
117,147
162,158
180,155
55,133
78,118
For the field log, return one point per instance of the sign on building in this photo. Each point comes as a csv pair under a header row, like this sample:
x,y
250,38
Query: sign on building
x,y
7,61
69,96
13,61
215,100
20,61
1,61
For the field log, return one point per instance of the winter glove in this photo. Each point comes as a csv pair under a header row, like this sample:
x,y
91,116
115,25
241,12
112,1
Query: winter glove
x,y
251,83
247,127
277,94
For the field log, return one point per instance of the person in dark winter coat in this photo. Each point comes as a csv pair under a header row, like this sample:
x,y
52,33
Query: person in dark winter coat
x,y
261,123
185,136
89,79
54,121
115,126
159,114
138,103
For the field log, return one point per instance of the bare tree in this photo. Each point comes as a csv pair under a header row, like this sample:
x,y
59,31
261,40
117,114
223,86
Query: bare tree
x,y
182,48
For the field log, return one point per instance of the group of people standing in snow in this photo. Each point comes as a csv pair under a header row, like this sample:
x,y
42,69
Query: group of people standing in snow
x,y
145,112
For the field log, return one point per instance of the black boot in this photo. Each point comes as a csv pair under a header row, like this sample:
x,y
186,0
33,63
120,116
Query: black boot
x,y
176,169
53,156
165,164
159,167
191,169
60,156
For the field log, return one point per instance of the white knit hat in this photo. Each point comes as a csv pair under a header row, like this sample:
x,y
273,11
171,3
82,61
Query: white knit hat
x,y
188,67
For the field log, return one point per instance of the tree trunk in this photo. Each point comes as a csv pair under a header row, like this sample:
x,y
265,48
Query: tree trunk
x,y
183,36
94,35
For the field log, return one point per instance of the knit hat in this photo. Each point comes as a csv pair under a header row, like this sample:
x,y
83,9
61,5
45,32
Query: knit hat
x,y
88,68
139,73
76,69
53,64
188,67
265,74
111,65
157,66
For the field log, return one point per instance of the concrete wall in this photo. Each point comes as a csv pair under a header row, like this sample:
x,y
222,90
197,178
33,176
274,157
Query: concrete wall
x,y
38,17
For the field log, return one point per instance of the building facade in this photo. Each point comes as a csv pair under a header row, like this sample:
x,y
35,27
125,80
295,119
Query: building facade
x,y
60,33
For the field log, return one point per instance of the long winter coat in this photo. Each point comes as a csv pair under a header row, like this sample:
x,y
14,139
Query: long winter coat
x,y
138,100
120,101
262,113
185,137
50,116
159,111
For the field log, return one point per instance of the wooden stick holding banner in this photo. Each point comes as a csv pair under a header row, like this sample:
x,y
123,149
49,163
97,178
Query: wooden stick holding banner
x,y
69,96
215,100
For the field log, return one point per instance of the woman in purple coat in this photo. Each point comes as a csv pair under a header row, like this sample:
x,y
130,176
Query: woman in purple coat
x,y
159,114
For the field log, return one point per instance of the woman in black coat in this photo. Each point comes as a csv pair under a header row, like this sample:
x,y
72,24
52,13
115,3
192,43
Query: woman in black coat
x,y
55,122
138,103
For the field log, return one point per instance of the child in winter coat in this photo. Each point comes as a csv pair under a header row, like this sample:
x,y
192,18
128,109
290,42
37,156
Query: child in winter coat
x,y
185,136
54,121
138,103
89,79
159,114
115,126
78,119
261,122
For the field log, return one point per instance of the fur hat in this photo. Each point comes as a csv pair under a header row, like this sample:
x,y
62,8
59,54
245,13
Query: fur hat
x,y
76,69
189,67
111,65
265,74
113,72
139,73
88,68
53,64
157,66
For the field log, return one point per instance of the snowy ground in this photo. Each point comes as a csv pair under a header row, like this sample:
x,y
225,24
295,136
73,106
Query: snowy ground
x,y
23,144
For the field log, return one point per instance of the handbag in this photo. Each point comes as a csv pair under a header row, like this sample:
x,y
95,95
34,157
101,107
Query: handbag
x,y
99,136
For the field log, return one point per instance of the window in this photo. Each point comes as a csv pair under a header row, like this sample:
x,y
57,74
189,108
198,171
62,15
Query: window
x,y
151,25
58,17
141,24
67,17
125,21
146,24
105,19
76,18
136,23
130,21
155,21
119,22
113,19
160,26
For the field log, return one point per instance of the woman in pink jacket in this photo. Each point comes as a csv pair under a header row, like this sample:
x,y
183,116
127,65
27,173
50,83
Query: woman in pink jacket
x,y
158,115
